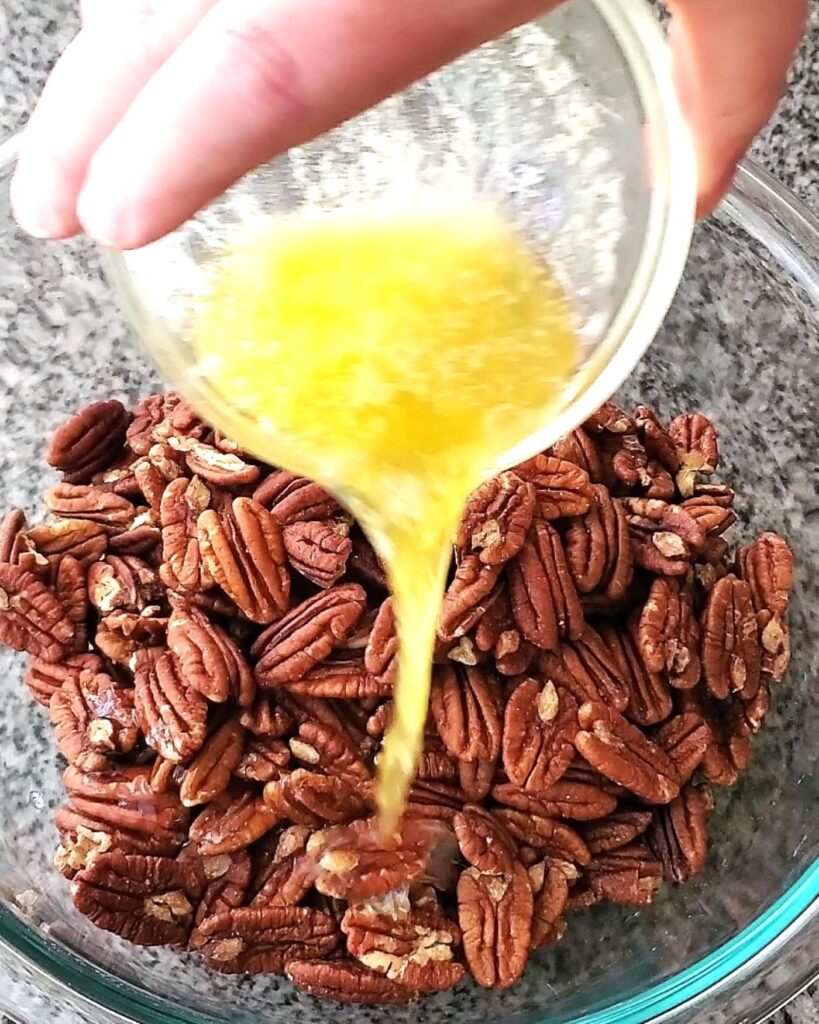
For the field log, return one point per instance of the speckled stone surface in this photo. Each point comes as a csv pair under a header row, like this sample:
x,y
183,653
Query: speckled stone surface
x,y
52,343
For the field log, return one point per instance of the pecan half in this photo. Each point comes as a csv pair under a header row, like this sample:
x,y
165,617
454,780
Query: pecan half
x,y
581,449
767,568
307,634
347,981
609,419
226,881
171,714
70,591
542,593
89,441
574,799
497,518
147,900
92,503
685,738
318,551
13,536
44,678
679,837
209,772
621,752
307,798
497,632
476,777
696,441
209,661
465,704
266,718
656,439
32,619
286,878
483,841
231,823
616,830
562,487
121,583
628,875
649,696
551,893
624,462
468,596
263,760
588,670
243,551
328,750
183,501
414,949
158,417
225,469
93,718
664,537
668,634
86,541
714,517
495,915
731,654
539,726
598,547
543,833
381,653
124,637
344,679
261,940
292,498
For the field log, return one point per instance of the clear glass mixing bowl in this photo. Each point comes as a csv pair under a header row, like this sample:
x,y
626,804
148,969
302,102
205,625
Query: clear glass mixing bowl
x,y
741,343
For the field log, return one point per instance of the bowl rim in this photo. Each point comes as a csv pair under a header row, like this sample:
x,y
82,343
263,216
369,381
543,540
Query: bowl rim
x,y
762,207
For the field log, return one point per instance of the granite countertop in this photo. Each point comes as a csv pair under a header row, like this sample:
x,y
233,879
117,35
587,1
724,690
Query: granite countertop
x,y
33,32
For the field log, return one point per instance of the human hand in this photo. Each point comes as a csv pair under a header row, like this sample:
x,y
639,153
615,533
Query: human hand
x,y
156,108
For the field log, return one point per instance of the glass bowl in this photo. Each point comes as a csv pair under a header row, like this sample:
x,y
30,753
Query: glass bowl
x,y
568,125
740,343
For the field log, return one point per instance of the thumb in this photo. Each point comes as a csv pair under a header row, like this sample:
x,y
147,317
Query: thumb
x,y
731,59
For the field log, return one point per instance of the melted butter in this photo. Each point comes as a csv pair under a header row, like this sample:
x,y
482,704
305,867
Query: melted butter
x,y
394,359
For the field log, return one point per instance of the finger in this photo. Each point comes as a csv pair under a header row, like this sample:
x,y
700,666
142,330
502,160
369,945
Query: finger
x,y
90,88
279,73
731,59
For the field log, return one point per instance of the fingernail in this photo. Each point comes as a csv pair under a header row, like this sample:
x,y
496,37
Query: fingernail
x,y
104,214
710,198
34,193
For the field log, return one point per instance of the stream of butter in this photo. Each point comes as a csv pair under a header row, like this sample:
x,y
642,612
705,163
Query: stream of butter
x,y
393,358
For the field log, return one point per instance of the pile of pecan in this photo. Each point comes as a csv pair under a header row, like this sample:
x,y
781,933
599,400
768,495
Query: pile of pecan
x,y
215,644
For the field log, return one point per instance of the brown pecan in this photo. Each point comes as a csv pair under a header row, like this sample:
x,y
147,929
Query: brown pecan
x,y
543,833
471,592
476,777
12,536
209,661
171,715
364,564
92,503
122,805
628,875
714,517
183,501
329,751
435,764
696,441
609,419
225,469
93,718
588,670
263,760
89,441
44,678
679,836
226,880
668,634
568,798
344,679
621,752
767,568
32,619
307,798
231,823
261,940
292,498
562,487
311,631
347,981
660,482
656,439
381,653
495,914
649,696
121,584
287,877
414,949
484,842
155,471
158,417
730,641
70,591
624,462
497,518
542,593
438,800
123,636
616,830
539,726
266,718
141,537
317,550
664,537
685,738
86,541
598,547
581,449
497,632
465,704
209,772
551,893
147,900
355,863
775,640
244,552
